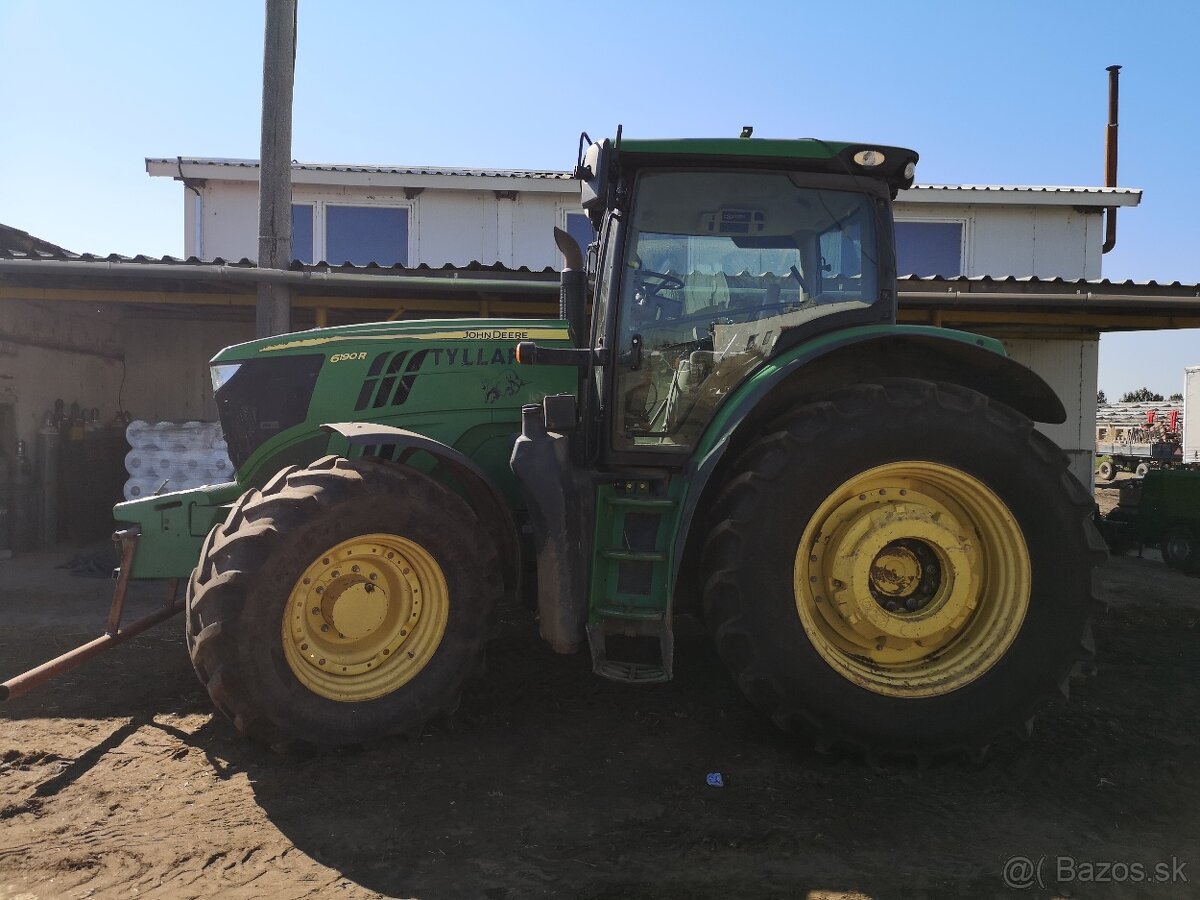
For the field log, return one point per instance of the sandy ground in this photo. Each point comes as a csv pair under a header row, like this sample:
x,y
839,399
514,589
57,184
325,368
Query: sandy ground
x,y
118,781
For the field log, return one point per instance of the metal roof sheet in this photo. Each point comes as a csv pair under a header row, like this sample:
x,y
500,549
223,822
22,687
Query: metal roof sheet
x,y
218,162
979,284
1127,196
1029,188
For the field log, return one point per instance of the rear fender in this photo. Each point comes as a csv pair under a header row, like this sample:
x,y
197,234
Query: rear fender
x,y
808,371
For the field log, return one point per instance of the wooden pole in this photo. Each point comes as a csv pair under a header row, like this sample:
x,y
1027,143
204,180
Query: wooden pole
x,y
273,313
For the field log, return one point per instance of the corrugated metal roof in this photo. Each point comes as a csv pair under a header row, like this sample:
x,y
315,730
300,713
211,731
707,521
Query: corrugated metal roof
x,y
369,169
218,162
979,284
982,284
18,241
245,263
1028,189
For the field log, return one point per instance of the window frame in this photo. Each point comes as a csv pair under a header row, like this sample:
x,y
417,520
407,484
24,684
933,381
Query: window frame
x,y
964,244
320,205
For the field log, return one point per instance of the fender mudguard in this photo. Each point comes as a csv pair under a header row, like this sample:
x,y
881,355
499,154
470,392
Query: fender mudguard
x,y
857,355
399,445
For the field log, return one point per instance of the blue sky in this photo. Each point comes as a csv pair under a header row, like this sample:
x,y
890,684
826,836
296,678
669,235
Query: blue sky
x,y
1011,93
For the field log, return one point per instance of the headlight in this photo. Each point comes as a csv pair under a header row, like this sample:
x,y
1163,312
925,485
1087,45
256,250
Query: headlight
x,y
221,374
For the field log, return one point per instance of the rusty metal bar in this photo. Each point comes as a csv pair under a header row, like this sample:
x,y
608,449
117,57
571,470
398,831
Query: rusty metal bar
x,y
127,540
114,633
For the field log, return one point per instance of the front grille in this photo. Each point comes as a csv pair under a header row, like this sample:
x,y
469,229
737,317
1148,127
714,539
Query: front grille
x,y
263,398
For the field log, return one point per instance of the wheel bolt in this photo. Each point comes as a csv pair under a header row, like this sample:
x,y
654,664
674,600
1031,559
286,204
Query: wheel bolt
x,y
316,610
354,568
335,574
324,627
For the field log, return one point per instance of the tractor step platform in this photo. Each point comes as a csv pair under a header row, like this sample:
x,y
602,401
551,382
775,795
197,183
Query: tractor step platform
x,y
633,651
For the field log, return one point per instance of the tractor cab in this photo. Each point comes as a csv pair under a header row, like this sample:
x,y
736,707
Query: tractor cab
x,y
712,257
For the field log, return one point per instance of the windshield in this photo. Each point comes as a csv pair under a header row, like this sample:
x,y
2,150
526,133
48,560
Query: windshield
x,y
717,265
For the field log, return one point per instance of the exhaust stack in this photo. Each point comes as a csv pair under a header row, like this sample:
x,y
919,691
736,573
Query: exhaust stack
x,y
1110,159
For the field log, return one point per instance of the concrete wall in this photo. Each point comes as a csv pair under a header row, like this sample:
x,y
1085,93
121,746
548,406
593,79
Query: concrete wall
x,y
56,351
168,366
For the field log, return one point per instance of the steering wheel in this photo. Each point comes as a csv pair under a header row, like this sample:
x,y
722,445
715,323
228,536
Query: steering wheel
x,y
648,303
659,281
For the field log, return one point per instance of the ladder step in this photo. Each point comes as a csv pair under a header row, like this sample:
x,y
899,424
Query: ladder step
x,y
629,612
641,504
635,555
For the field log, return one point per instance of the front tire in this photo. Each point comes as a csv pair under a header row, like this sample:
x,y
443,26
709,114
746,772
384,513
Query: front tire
x,y
341,603
903,568
1180,549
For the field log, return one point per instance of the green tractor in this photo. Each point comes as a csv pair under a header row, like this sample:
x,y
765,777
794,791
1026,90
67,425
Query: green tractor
x,y
725,420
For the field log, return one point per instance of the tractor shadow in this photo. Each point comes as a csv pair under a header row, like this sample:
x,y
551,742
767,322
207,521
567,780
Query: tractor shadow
x,y
552,782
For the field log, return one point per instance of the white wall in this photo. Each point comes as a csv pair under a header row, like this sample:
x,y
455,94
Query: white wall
x,y
1070,367
445,226
1046,241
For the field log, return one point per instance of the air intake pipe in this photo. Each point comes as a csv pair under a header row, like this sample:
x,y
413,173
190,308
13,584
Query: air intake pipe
x,y
572,294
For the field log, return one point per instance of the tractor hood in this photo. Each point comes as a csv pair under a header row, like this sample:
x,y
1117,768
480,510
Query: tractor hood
x,y
329,342
441,378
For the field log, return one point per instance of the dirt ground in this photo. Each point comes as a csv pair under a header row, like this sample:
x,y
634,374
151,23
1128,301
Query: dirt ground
x,y
118,781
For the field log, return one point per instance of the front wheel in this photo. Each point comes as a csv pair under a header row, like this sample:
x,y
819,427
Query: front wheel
x,y
341,603
904,568
1180,549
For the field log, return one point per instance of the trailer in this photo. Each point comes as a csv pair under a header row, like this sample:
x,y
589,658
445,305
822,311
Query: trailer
x,y
1138,437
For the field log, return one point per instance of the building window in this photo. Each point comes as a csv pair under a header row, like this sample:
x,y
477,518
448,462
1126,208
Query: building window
x,y
366,234
302,232
929,248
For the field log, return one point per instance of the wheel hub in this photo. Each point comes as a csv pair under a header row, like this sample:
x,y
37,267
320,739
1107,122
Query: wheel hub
x,y
354,607
904,576
912,579
365,617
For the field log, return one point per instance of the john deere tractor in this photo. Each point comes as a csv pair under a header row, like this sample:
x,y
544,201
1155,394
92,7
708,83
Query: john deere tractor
x,y
725,420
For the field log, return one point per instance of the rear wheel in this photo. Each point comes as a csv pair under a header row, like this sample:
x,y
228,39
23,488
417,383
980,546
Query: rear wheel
x,y
1106,471
1142,470
1180,550
904,568
341,603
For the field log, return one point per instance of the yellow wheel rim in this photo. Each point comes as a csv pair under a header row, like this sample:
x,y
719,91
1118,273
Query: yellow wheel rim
x,y
912,579
365,617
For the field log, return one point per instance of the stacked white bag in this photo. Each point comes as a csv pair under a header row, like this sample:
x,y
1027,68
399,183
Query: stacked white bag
x,y
183,454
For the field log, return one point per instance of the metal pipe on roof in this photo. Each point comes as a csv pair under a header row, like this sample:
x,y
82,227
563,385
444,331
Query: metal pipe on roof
x,y
1110,158
249,275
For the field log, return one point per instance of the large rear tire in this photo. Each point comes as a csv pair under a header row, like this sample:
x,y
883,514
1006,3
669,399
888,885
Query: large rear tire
x,y
342,603
904,568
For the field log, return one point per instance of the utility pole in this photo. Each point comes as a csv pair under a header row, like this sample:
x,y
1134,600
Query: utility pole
x,y
273,312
